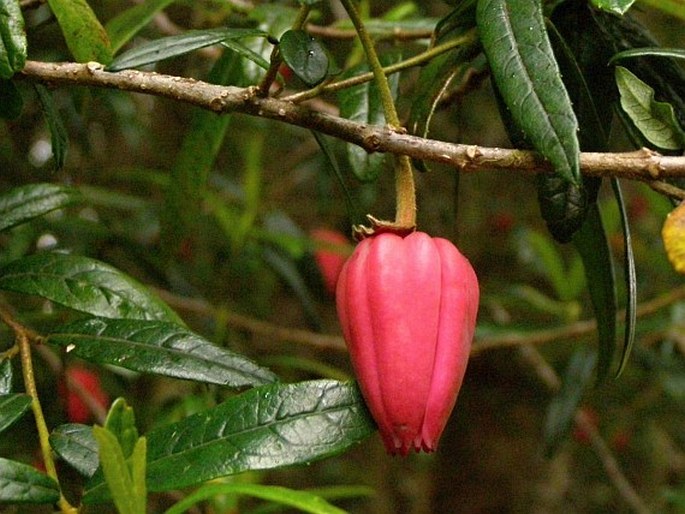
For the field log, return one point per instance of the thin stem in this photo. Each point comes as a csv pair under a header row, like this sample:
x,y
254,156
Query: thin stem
x,y
417,60
23,338
405,217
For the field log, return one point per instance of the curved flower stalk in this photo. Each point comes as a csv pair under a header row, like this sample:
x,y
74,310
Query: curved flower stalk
x,y
408,306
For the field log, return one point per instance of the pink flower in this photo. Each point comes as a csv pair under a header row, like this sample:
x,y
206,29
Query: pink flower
x,y
408,306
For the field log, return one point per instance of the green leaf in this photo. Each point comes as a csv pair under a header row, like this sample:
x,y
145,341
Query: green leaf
x,y
196,156
12,38
117,473
593,247
24,203
562,408
121,422
85,285
363,104
20,483
138,467
615,6
59,138
265,428
128,23
76,445
173,46
305,55
649,51
527,76
6,375
630,279
158,347
11,101
85,36
655,120
301,500
12,407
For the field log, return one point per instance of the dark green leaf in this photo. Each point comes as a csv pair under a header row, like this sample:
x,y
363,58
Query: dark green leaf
x,y
630,278
246,52
59,138
24,203
11,101
158,347
527,76
593,247
286,268
301,500
12,38
173,46
85,36
121,422
76,445
326,144
614,6
5,376
656,120
562,408
196,156
85,285
665,75
12,407
305,55
461,18
268,427
20,483
128,23
563,205
362,104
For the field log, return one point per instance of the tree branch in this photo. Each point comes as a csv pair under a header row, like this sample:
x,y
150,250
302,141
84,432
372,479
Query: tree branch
x,y
644,165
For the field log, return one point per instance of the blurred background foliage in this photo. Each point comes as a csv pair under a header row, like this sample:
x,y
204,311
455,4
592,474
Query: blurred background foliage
x,y
241,273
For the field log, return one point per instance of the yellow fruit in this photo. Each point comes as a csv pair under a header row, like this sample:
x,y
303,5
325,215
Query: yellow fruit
x,y
673,234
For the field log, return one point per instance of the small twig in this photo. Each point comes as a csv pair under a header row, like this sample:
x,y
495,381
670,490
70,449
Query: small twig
x,y
23,337
582,421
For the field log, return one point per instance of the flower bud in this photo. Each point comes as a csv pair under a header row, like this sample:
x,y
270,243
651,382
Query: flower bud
x,y
408,306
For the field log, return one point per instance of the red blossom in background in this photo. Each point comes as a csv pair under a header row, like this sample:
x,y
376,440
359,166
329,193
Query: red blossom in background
x,y
408,310
77,409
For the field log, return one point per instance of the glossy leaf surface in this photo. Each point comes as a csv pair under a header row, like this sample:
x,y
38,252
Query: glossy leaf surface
x,y
157,347
24,203
76,445
305,55
85,285
264,428
12,407
523,65
173,46
21,483
12,38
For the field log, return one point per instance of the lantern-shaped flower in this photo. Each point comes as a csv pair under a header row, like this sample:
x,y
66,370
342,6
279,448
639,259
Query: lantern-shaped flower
x,y
408,306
